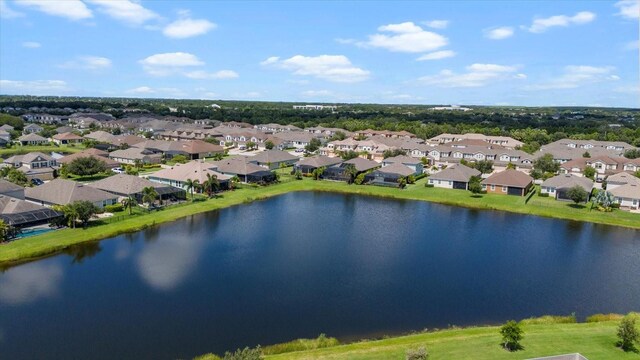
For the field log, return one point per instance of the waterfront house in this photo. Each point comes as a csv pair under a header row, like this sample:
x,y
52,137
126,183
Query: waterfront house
x,y
178,174
628,196
191,149
508,182
559,185
67,138
620,179
273,159
131,155
64,192
337,172
414,163
5,137
247,172
20,213
309,164
456,176
389,175
32,139
125,186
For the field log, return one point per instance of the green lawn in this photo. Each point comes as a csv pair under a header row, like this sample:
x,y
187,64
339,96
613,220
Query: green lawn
x,y
18,150
51,242
593,340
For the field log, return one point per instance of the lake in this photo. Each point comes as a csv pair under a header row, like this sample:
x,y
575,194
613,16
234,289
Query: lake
x,y
308,263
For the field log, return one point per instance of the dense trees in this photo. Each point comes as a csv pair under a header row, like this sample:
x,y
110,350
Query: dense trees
x,y
86,166
544,167
313,145
393,152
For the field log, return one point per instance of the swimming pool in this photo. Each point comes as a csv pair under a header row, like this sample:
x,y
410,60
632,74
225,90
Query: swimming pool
x,y
33,232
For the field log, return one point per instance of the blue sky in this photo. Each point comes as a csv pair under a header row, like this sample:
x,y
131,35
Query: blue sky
x,y
485,53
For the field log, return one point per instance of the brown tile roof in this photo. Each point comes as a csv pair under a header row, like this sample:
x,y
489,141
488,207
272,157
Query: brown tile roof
x,y
456,172
123,184
62,192
67,136
194,170
509,177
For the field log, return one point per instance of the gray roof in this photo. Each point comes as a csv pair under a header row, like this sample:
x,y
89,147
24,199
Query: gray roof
x,y
31,137
8,186
565,181
318,161
509,177
123,184
631,191
398,169
623,178
194,170
237,165
456,172
362,164
272,156
402,159
63,192
132,153
17,212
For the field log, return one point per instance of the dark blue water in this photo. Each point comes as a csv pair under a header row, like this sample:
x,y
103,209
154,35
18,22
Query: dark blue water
x,y
304,264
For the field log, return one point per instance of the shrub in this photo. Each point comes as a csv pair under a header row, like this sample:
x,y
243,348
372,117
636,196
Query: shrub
x,y
114,208
322,341
603,317
511,336
550,319
541,194
428,185
208,356
244,354
628,333
417,354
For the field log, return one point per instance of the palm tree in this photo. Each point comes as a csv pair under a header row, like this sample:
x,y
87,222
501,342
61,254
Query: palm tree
x,y
129,203
234,181
71,214
192,185
212,184
350,171
137,163
149,195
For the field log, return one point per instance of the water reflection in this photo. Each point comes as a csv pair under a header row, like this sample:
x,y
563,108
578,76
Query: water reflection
x,y
30,282
83,251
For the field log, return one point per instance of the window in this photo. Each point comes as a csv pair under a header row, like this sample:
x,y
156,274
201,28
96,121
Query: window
x,y
493,188
505,188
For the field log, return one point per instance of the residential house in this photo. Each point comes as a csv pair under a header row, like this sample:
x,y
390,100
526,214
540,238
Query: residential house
x,y
5,137
7,127
504,141
620,179
508,182
178,174
338,171
245,171
628,196
125,186
64,192
413,163
565,150
67,138
35,165
32,139
559,185
10,189
309,164
32,129
389,175
273,159
135,155
296,139
92,152
191,149
20,213
456,176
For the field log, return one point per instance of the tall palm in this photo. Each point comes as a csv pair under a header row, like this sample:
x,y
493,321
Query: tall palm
x,y
350,172
129,203
192,185
4,231
71,214
149,195
211,184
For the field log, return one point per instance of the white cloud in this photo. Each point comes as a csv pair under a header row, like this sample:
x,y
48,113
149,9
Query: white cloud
x,y
437,55
146,91
345,41
477,75
168,63
141,90
633,45
437,24
542,25
32,87
499,33
70,9
130,12
317,94
578,75
31,44
187,27
30,283
87,63
222,74
629,9
7,13
405,37
335,68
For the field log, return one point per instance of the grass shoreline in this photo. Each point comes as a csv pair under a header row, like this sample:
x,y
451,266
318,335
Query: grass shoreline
x,y
39,246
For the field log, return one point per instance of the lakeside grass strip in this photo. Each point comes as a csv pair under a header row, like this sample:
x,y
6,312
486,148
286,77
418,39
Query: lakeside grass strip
x,y
593,340
55,241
